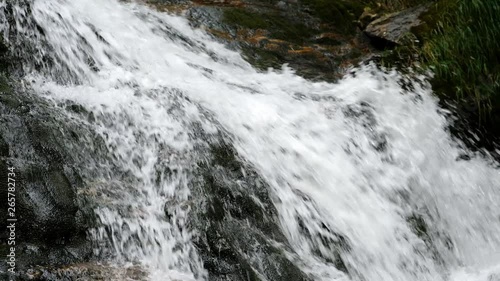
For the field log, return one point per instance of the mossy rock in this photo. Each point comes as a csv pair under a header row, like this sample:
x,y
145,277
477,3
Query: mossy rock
x,y
278,26
341,15
263,59
245,18
4,85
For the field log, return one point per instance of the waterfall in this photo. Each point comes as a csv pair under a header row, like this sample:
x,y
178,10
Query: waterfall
x,y
362,171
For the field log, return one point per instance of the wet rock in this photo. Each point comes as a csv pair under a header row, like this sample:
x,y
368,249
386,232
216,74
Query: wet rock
x,y
4,148
37,141
273,33
89,271
328,39
239,234
394,29
45,193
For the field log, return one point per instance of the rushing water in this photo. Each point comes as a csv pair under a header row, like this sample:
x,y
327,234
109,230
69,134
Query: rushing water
x,y
365,163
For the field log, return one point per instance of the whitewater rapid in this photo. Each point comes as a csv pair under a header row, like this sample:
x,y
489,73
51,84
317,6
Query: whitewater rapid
x,y
361,158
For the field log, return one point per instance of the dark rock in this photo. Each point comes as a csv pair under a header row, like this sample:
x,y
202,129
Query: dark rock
x,y
238,228
45,196
4,148
328,39
394,29
89,271
35,139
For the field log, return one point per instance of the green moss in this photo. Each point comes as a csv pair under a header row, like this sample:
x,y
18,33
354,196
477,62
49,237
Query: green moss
x,y
290,31
339,13
263,59
245,18
279,26
328,41
4,85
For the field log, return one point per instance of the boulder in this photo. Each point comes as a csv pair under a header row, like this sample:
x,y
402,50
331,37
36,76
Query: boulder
x,y
395,29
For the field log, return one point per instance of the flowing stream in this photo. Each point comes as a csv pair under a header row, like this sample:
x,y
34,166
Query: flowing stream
x,y
363,169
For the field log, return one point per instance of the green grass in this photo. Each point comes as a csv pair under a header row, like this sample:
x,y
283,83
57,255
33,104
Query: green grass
x,y
397,5
464,53
459,42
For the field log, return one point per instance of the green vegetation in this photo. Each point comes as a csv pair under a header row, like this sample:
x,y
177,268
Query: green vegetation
x,y
464,53
397,5
4,85
411,51
459,43
263,59
245,18
341,14
279,26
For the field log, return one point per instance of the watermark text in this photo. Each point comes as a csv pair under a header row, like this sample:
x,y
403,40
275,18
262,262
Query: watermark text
x,y
11,221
